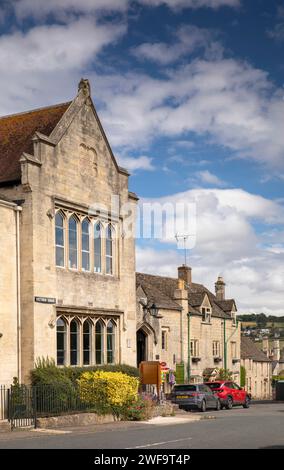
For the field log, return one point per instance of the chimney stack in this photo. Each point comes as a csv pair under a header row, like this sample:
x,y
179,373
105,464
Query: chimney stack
x,y
184,273
276,350
265,346
220,288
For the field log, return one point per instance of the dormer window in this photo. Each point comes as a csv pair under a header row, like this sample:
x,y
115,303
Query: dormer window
x,y
206,314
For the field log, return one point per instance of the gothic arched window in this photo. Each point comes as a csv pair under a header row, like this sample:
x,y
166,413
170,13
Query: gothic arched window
x,y
87,342
86,245
110,342
73,242
74,343
99,342
109,249
61,341
98,248
59,239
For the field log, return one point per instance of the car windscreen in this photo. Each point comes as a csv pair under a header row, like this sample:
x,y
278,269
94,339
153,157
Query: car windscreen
x,y
214,386
185,388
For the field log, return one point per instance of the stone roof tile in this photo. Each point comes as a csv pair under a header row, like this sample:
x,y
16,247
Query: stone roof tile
x,y
16,132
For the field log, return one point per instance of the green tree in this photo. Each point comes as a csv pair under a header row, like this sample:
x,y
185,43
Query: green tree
x,y
261,320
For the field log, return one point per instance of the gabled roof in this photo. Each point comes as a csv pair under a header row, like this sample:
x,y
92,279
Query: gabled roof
x,y
250,351
160,289
227,305
16,132
196,299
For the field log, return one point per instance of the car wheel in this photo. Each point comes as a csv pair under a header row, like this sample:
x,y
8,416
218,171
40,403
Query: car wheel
x,y
218,405
246,403
203,406
229,404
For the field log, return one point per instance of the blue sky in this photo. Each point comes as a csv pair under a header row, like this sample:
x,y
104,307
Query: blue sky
x,y
191,95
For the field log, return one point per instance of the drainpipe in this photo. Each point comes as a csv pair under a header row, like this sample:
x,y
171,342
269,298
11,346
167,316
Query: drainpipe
x,y
225,346
18,209
188,347
181,336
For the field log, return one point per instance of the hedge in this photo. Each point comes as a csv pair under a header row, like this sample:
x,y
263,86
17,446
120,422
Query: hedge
x,y
47,373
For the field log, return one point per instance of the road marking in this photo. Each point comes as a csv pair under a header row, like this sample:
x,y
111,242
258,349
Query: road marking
x,y
160,443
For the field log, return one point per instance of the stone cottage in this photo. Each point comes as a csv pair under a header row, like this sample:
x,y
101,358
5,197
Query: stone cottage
x,y
189,325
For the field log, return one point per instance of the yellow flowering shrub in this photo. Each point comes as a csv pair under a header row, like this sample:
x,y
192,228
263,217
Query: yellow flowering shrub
x,y
108,389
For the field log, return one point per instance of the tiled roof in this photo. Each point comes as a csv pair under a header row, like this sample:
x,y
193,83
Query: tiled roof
x,y
250,351
226,305
196,299
16,132
160,289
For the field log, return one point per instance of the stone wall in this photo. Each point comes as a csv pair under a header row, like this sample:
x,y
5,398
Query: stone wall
x,y
8,294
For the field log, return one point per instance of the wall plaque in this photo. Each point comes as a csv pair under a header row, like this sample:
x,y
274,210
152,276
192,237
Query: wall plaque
x,y
45,300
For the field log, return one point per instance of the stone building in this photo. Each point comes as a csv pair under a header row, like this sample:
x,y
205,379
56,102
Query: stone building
x,y
10,321
258,369
191,325
275,354
67,266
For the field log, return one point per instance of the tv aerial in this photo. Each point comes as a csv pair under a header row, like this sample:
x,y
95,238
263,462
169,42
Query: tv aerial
x,y
183,238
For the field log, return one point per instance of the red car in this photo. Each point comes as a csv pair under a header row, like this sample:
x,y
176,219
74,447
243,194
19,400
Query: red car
x,y
230,394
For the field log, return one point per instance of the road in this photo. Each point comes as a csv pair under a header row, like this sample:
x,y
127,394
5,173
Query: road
x,y
260,426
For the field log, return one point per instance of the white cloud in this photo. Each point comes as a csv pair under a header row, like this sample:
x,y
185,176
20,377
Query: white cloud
x,y
277,32
188,39
56,47
48,60
229,101
228,244
136,163
206,177
41,9
176,4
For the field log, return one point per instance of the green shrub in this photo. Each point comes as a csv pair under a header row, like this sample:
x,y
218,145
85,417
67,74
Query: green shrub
x,y
224,374
57,388
111,391
47,373
74,373
139,410
53,390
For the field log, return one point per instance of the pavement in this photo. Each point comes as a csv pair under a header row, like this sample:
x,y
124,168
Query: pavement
x,y
260,426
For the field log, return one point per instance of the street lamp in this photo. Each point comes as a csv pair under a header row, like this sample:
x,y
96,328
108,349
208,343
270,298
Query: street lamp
x,y
150,309
153,310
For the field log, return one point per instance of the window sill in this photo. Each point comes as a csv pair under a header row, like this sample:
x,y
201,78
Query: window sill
x,y
206,322
217,359
195,358
86,273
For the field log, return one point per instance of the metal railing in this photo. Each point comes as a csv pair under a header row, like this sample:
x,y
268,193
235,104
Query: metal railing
x,y
4,397
22,404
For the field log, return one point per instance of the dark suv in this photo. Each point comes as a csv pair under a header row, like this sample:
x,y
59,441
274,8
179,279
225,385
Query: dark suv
x,y
195,396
